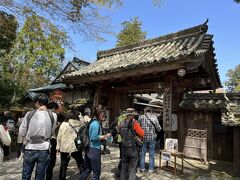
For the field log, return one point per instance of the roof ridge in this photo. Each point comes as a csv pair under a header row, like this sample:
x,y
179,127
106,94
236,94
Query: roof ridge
x,y
204,96
77,60
200,29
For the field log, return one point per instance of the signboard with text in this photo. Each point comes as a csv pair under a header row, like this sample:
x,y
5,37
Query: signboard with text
x,y
167,110
58,97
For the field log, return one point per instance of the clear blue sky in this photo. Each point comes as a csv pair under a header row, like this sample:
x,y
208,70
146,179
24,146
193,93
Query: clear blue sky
x,y
172,16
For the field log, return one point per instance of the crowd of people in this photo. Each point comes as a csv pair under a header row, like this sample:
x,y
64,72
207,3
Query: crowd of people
x,y
43,133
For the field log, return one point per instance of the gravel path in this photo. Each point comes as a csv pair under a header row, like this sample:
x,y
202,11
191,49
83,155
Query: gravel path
x,y
192,169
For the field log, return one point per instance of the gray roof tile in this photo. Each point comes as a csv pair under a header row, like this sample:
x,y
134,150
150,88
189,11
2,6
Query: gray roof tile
x,y
164,49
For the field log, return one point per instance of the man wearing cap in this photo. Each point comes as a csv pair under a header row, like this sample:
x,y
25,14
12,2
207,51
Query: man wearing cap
x,y
150,124
87,114
128,129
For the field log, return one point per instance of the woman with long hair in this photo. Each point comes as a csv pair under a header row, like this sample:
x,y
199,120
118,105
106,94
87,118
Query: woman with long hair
x,y
93,154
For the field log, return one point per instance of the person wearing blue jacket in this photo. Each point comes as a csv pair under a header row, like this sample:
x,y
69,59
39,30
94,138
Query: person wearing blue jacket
x,y
93,155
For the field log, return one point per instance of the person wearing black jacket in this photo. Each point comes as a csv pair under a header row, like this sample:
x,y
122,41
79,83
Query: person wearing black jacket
x,y
53,106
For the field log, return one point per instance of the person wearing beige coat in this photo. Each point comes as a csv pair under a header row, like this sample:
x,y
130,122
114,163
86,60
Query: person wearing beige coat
x,y
66,145
6,140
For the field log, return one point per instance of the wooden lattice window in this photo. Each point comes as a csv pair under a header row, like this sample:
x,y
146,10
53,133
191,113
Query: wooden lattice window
x,y
195,145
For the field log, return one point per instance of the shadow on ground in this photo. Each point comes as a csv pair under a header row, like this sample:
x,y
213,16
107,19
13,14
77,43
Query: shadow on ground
x,y
193,169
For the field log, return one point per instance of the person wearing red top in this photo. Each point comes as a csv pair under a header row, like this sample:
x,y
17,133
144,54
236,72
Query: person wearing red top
x,y
128,129
137,128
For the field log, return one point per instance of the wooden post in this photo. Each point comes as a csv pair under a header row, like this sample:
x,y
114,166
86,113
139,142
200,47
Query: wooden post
x,y
175,159
167,109
236,151
160,160
181,128
114,103
97,96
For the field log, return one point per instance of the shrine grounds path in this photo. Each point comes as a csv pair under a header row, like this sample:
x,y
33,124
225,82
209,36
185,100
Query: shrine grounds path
x,y
193,169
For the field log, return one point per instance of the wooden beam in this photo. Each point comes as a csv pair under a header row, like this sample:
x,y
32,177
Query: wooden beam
x,y
129,73
131,82
146,86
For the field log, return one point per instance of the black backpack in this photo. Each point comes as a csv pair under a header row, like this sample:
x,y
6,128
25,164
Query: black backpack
x,y
138,140
129,137
82,140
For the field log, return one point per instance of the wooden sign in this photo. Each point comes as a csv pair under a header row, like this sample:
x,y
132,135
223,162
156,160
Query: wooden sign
x,y
167,110
58,97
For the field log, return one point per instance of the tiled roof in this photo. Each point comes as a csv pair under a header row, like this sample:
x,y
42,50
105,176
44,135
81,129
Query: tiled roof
x,y
74,65
208,101
78,63
192,42
48,88
228,106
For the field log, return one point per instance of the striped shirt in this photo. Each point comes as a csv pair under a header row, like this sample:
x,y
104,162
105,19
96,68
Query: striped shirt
x,y
144,121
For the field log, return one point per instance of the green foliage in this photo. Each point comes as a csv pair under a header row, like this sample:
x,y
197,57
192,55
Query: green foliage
x,y
7,92
39,51
238,87
233,83
79,16
131,33
237,1
8,31
36,57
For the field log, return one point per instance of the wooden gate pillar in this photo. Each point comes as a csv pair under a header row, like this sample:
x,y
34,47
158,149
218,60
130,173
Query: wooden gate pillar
x,y
181,130
167,108
236,151
97,96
